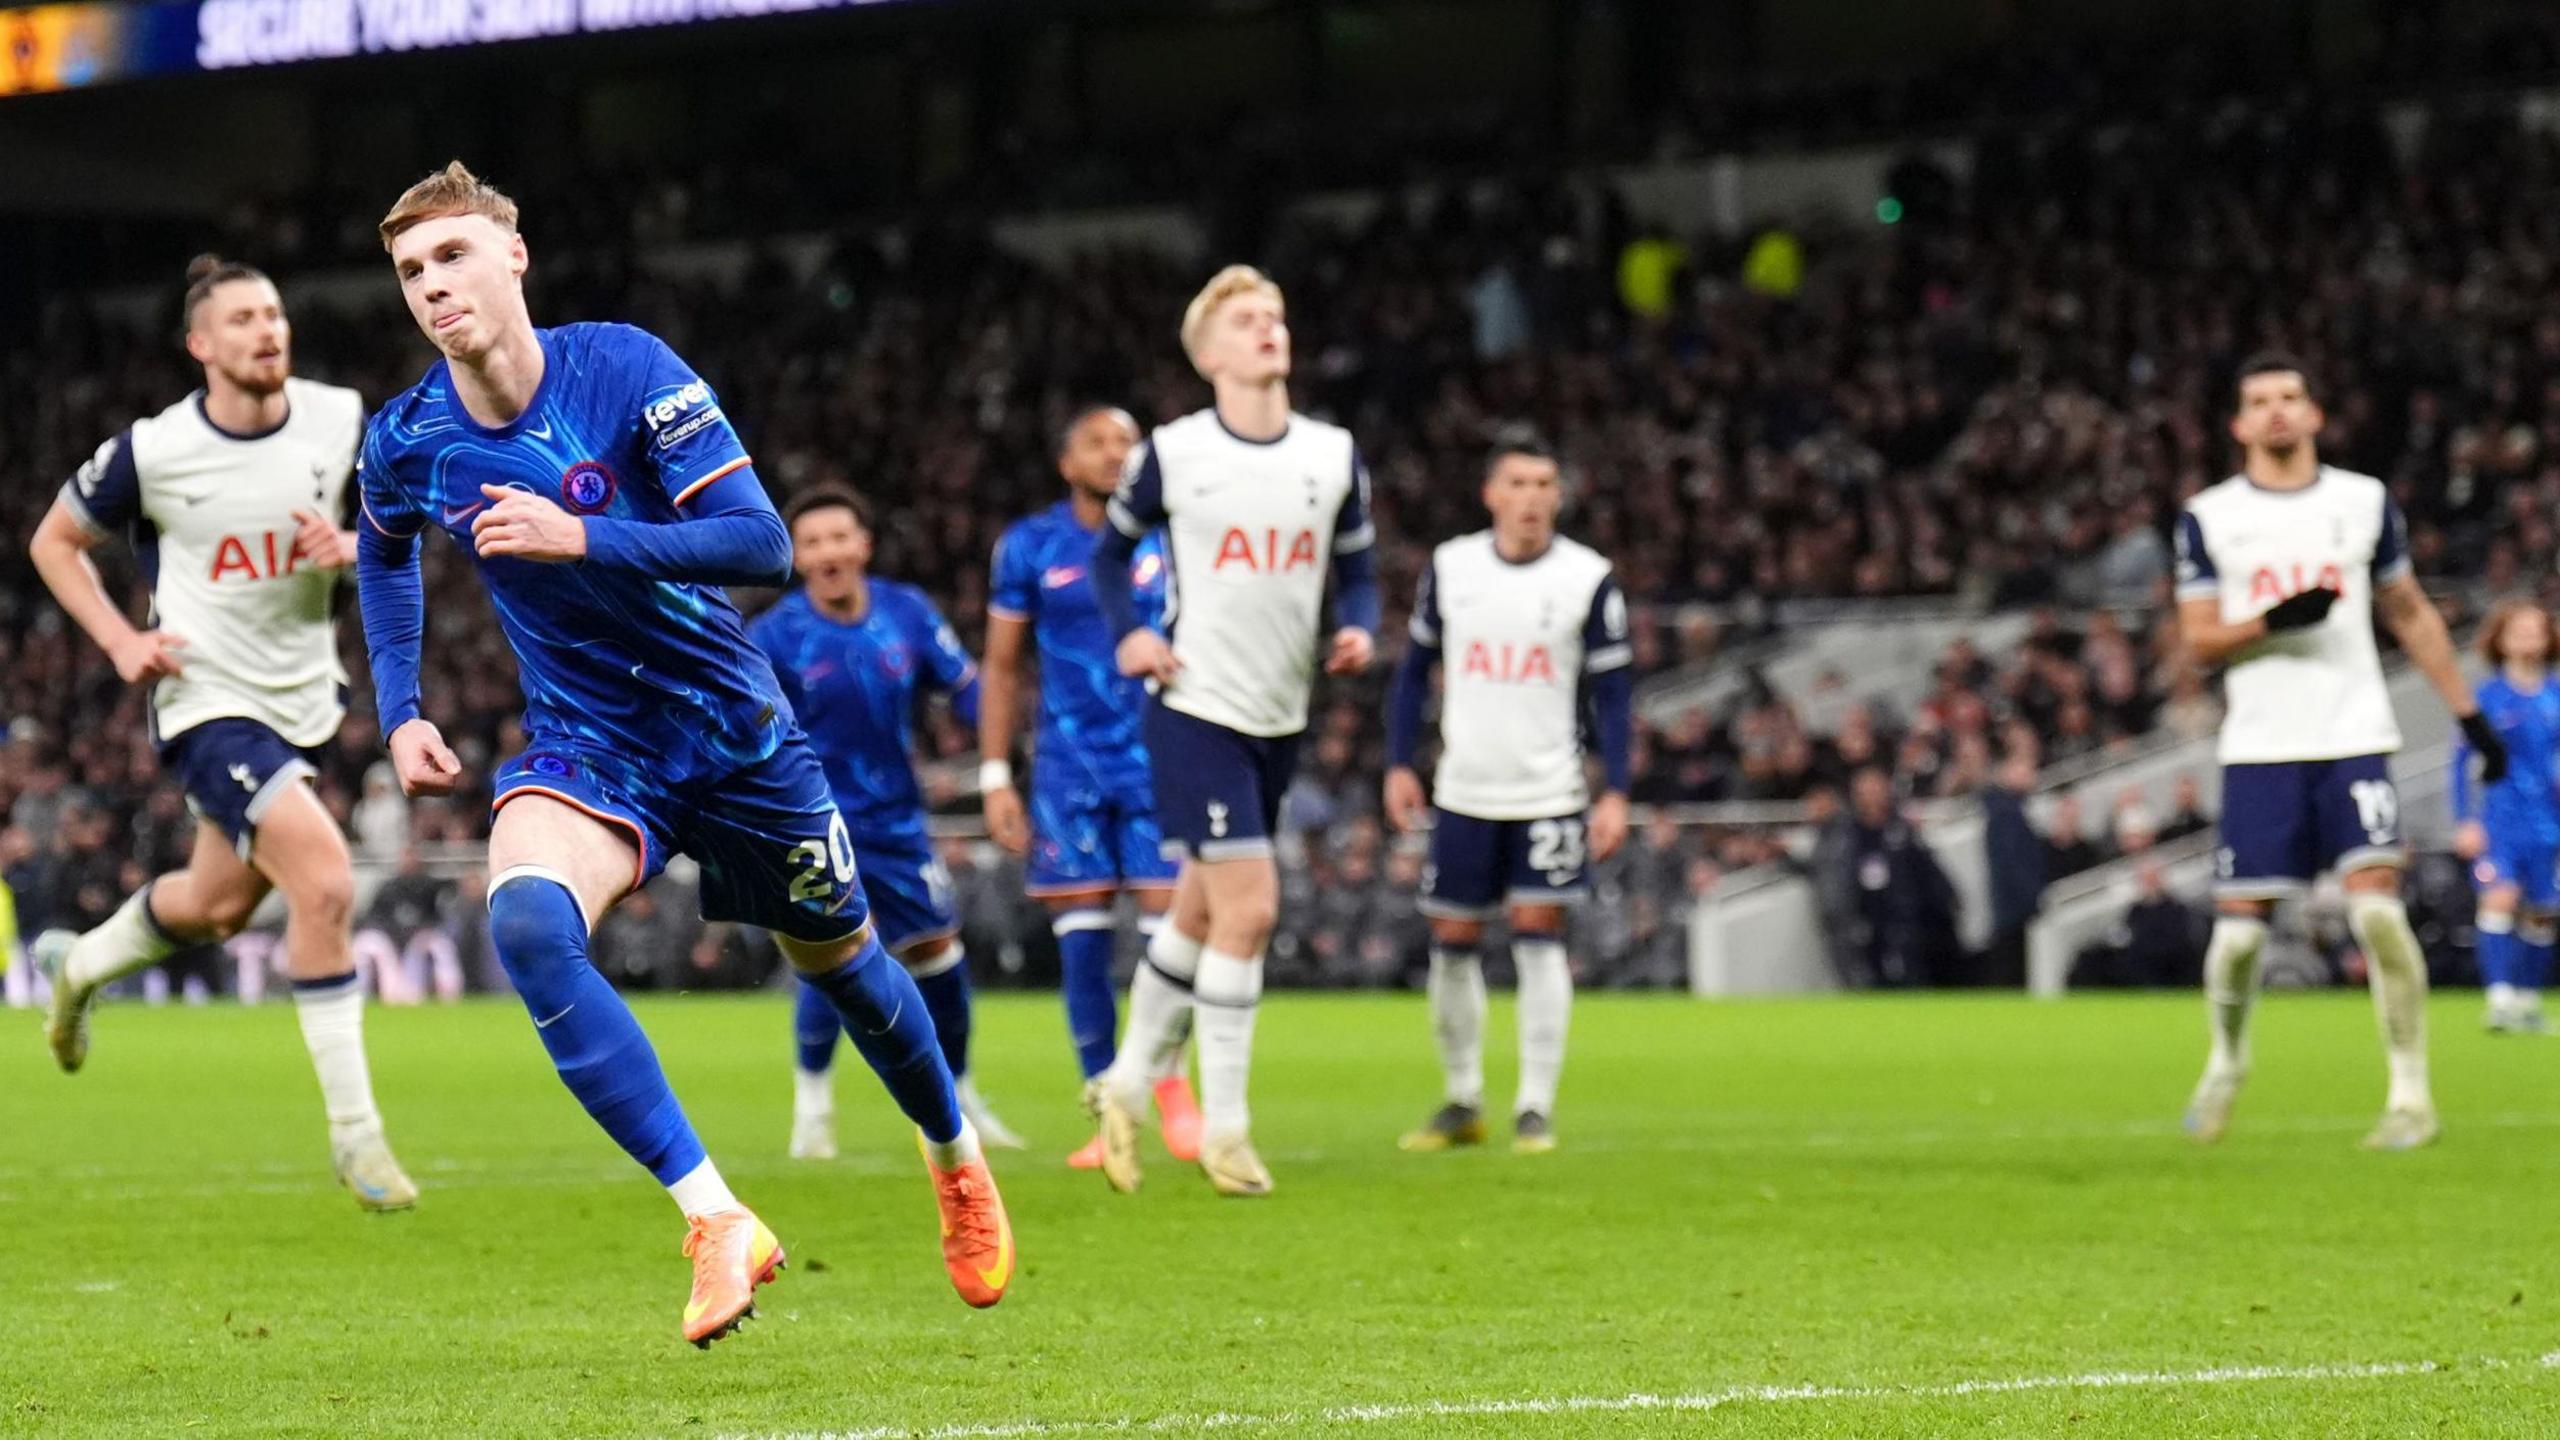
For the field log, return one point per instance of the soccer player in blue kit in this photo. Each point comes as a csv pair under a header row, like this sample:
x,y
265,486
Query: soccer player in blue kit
x,y
1090,829
2509,829
852,651
605,501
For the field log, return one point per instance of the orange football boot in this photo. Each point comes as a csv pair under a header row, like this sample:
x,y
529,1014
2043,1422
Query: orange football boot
x,y
1088,1158
977,1239
1178,1113
732,1253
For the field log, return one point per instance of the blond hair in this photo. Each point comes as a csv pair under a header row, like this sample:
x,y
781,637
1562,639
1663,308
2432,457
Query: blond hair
x,y
2492,638
453,190
1224,286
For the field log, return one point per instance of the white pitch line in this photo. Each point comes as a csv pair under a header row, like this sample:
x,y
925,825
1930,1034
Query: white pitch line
x,y
1621,1404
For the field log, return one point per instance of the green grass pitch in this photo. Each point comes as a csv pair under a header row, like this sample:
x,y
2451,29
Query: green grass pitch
x,y
1831,1218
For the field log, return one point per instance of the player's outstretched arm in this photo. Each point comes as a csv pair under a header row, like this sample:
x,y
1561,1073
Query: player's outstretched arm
x,y
60,550
2429,646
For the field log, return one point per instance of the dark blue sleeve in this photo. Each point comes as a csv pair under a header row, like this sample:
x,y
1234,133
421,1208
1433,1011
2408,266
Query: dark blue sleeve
x,y
730,536
688,438
393,601
105,493
1410,691
1356,603
1613,708
1133,513
2197,579
1013,591
954,673
1353,529
2391,547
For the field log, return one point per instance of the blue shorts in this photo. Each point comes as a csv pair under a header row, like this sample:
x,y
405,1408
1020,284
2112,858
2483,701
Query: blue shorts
x,y
908,889
773,849
1217,790
2528,861
233,769
1084,837
2284,823
1479,866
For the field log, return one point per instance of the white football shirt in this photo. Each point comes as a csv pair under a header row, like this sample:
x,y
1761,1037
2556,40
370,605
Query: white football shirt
x,y
1515,641
1251,529
210,514
2315,693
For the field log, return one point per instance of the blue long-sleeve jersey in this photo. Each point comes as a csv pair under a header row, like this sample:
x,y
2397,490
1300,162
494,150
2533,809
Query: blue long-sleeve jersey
x,y
636,648
1090,713
854,686
2527,802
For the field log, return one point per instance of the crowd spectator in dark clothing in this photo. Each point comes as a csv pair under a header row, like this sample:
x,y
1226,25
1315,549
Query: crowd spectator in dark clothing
x,y
2016,856
1888,907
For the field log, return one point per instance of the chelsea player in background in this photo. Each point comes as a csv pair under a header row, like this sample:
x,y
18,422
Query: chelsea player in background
x,y
605,501
1090,830
2509,829
852,651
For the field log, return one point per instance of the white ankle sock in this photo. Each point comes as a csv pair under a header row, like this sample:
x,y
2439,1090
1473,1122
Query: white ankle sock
x,y
702,1191
1159,1015
1227,993
959,1150
2230,988
2397,970
1457,1021
332,1016
124,942
1546,1013
813,1092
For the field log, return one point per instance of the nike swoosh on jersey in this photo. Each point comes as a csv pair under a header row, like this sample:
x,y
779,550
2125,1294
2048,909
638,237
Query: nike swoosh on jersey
x,y
542,434
456,517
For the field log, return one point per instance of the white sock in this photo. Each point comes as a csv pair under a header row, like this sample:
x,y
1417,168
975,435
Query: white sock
x,y
959,1150
1159,1015
2230,988
2398,971
1227,993
124,942
2502,996
813,1092
1546,1012
332,1015
702,1191
1457,1021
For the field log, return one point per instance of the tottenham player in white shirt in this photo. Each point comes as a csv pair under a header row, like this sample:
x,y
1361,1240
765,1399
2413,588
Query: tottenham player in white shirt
x,y
232,496
1258,504
1528,628
2280,570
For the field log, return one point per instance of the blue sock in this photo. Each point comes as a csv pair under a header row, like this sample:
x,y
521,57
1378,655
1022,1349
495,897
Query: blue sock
x,y
814,1027
1084,968
602,1056
2532,963
946,999
890,1026
2497,949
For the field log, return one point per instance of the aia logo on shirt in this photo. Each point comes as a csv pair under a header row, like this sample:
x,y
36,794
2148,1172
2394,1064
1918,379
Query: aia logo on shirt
x,y
1508,664
2268,584
238,557
587,487
1270,551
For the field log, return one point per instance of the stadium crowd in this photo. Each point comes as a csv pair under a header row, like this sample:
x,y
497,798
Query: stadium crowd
x,y
1999,401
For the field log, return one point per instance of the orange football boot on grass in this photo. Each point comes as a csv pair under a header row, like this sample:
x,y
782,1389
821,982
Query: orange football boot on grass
x,y
977,1239
1178,1113
732,1253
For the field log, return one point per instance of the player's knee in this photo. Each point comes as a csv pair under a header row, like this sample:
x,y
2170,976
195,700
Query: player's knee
x,y
1538,922
1461,933
227,911
537,929
1246,920
326,900
932,957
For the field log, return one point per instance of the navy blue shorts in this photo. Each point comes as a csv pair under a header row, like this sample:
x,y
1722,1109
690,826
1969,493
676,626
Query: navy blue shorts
x,y
233,769
1084,837
1217,791
2284,823
2527,859
1480,866
773,849
907,888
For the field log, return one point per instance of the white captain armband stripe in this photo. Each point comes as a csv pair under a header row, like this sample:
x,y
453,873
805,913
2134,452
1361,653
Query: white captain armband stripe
x,y
1357,540
1609,657
2392,573
1422,633
2200,590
